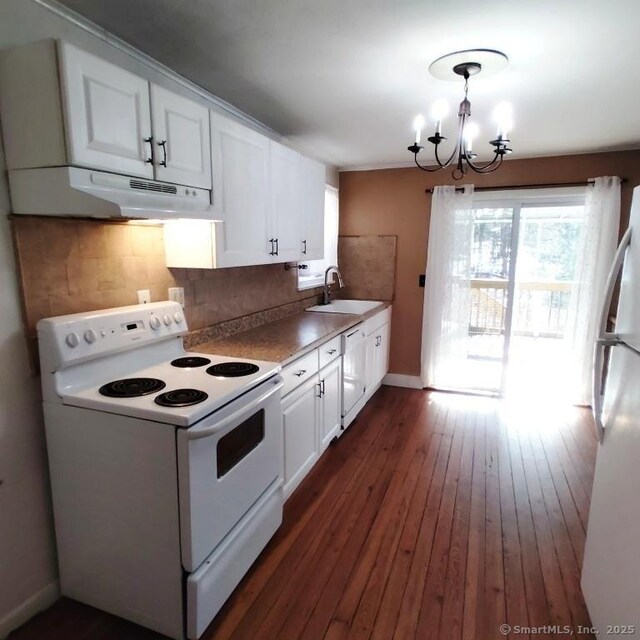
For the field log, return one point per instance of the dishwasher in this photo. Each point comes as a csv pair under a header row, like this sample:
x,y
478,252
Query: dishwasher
x,y
354,373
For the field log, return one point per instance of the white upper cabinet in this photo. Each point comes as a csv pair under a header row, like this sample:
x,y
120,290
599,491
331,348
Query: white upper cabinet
x,y
182,150
240,160
107,115
312,187
297,205
285,213
64,106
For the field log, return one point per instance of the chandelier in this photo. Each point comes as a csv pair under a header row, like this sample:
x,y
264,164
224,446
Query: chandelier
x,y
453,66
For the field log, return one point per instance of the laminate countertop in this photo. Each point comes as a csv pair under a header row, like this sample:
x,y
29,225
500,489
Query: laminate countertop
x,y
287,339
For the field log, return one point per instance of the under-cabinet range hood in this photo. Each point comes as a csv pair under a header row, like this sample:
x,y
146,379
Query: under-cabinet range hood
x,y
71,191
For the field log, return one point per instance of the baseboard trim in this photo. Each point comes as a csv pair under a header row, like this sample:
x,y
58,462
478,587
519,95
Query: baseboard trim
x,y
402,380
25,611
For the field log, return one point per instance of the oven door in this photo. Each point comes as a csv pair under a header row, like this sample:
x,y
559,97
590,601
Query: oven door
x,y
225,463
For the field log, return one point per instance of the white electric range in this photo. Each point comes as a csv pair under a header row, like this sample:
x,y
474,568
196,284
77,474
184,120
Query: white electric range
x,y
166,465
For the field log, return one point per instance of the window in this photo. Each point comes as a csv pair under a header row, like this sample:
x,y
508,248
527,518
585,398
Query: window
x,y
314,275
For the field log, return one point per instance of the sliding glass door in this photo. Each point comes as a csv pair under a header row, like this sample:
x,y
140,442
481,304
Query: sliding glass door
x,y
523,258
491,293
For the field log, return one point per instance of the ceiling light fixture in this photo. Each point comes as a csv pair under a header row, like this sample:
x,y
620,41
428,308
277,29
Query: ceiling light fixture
x,y
453,66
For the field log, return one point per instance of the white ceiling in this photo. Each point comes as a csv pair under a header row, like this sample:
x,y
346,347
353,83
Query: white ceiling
x,y
343,79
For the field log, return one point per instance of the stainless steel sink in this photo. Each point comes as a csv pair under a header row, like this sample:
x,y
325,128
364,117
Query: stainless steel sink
x,y
357,307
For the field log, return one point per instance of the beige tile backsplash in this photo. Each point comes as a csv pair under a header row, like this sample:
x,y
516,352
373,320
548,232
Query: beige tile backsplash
x,y
70,265
368,266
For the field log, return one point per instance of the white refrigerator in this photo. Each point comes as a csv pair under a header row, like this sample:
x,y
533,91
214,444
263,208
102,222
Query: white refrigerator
x,y
611,570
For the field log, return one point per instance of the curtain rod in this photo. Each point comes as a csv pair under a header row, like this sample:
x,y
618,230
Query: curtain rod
x,y
530,186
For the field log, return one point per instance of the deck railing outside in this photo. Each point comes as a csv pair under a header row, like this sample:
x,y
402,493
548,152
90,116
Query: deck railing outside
x,y
540,309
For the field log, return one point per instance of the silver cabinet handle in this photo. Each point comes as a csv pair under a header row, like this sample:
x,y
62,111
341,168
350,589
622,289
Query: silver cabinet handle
x,y
163,145
300,373
277,247
272,252
304,247
331,351
149,141
604,338
319,385
323,387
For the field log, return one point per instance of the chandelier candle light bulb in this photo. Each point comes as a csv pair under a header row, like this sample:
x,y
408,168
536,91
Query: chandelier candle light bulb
x,y
438,113
418,125
471,131
453,66
503,117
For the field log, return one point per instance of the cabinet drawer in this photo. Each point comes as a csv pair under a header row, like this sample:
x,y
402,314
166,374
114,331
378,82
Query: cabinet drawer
x,y
329,351
375,322
299,371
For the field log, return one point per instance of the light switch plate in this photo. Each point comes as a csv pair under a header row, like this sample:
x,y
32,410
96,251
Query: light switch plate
x,y
177,295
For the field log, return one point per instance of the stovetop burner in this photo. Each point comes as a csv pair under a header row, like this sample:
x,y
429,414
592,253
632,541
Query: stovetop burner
x,y
190,361
233,369
181,398
131,387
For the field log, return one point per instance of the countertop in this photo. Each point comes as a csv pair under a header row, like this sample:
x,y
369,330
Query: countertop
x,y
287,339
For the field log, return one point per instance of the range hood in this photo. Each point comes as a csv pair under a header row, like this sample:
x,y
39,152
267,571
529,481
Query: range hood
x,y
71,191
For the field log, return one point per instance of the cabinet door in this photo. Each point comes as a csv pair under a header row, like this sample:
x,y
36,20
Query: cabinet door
x,y
312,185
240,159
382,353
107,114
331,405
372,362
181,139
300,438
285,202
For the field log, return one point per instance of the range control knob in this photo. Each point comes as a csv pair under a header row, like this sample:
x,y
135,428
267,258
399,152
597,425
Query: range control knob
x,y
167,319
154,323
90,336
72,340
178,317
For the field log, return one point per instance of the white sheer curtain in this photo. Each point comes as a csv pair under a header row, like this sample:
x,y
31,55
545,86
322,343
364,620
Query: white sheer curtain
x,y
597,247
447,294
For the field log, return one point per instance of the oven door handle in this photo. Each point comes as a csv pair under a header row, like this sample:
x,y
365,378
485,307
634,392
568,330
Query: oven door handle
x,y
236,415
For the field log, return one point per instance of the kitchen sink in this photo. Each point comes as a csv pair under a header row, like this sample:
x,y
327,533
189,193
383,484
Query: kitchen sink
x,y
347,306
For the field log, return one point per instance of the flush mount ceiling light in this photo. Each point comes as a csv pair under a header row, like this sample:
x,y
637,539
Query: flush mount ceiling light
x,y
453,66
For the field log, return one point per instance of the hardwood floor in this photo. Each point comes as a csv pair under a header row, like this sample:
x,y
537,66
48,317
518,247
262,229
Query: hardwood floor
x,y
436,516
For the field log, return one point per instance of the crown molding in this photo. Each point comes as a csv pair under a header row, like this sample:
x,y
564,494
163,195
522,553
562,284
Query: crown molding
x,y
86,25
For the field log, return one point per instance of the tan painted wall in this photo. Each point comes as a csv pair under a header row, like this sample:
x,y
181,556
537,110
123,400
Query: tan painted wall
x,y
393,202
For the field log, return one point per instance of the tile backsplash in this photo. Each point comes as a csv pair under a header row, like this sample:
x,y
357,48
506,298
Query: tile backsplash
x,y
70,265
368,266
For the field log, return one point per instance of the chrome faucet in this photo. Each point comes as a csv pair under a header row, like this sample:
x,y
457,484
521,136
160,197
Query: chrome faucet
x,y
326,299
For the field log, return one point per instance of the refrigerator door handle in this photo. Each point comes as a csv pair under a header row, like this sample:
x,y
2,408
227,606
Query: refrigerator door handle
x,y
605,338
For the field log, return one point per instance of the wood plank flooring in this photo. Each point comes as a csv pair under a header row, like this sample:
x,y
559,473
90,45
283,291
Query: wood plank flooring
x,y
436,516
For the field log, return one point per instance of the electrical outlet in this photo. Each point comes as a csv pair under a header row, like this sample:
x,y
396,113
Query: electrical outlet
x,y
144,296
176,294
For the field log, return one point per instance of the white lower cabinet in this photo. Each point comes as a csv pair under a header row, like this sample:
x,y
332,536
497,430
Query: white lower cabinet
x,y
299,418
330,402
311,411
377,349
